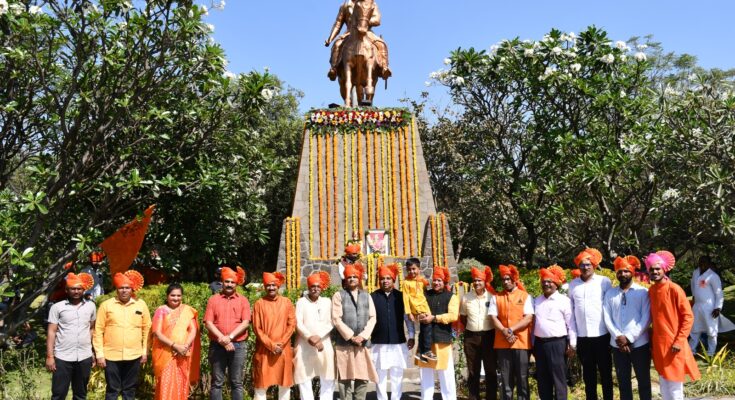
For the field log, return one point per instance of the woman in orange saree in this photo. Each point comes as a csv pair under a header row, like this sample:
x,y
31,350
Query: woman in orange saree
x,y
176,346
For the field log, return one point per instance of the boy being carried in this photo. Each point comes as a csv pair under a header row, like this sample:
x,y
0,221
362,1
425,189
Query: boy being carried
x,y
413,287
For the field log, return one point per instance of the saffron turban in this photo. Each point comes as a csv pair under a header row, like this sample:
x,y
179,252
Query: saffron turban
x,y
320,278
512,271
663,257
135,278
485,275
576,273
353,269
388,270
275,277
551,274
353,248
237,275
73,280
630,263
441,273
121,280
593,255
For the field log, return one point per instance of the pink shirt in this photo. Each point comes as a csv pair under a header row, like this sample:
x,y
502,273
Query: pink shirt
x,y
226,313
554,318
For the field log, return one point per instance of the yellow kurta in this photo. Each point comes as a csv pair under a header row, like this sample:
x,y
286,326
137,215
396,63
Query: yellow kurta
x,y
353,362
274,321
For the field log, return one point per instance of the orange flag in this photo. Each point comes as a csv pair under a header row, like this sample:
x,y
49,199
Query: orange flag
x,y
122,246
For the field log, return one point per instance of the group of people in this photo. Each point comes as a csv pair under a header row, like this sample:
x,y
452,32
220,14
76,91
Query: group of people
x,y
358,337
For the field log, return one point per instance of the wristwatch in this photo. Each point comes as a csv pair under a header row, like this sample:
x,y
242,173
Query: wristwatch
x,y
230,336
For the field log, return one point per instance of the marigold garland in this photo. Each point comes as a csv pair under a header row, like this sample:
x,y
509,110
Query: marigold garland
x,y
319,194
416,188
335,253
350,119
384,187
360,196
353,173
393,193
368,203
375,180
434,249
444,239
293,252
404,194
410,194
311,197
345,141
327,183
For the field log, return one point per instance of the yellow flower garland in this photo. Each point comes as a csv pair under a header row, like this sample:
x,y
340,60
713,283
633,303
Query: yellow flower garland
x,y
444,239
335,253
384,187
375,179
311,197
434,239
404,192
319,194
367,180
359,183
293,252
393,193
416,188
353,174
327,182
345,141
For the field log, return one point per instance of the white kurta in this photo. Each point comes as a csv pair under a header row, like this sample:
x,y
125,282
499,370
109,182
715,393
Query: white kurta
x,y
707,292
313,318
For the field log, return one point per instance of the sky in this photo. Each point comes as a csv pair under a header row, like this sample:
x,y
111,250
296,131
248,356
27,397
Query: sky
x,y
287,37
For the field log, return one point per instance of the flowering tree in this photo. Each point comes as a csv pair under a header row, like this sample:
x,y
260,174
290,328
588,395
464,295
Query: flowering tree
x,y
561,141
107,107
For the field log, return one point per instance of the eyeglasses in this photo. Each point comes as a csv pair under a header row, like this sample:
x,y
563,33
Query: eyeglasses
x,y
625,301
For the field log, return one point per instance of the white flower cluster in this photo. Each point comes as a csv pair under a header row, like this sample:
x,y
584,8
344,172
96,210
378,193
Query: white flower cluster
x,y
4,7
550,70
670,194
267,94
607,59
220,5
640,56
229,75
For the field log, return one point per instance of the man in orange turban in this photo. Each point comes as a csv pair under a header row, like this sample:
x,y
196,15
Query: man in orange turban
x,y
627,313
353,315
586,294
672,320
352,254
444,307
511,311
555,334
314,352
121,336
390,348
69,340
227,319
274,322
479,334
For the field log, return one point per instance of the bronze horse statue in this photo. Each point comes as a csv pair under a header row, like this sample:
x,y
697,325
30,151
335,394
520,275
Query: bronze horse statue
x,y
358,65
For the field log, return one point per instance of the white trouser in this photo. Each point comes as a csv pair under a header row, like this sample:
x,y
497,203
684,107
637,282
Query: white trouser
x,y
326,389
446,382
711,342
671,390
396,377
284,393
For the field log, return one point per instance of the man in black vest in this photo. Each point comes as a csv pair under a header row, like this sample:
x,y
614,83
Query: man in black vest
x,y
353,316
444,307
390,349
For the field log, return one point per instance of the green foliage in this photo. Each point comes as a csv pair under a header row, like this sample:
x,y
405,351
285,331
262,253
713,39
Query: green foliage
x,y
107,107
718,376
18,374
574,141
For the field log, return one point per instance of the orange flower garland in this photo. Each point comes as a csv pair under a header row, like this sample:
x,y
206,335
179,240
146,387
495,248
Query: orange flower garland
x,y
384,187
434,240
394,193
375,180
359,182
353,174
444,238
409,193
335,253
311,196
404,194
327,183
416,188
293,252
319,182
368,164
345,141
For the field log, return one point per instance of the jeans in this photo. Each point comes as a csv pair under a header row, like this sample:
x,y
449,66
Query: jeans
x,y
122,378
640,359
232,361
75,373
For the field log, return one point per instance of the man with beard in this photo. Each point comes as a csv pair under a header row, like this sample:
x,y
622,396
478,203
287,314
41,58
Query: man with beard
x,y
274,321
708,301
314,355
390,349
227,318
586,294
69,342
353,315
444,307
627,313
672,320
555,335
479,334
512,313
121,337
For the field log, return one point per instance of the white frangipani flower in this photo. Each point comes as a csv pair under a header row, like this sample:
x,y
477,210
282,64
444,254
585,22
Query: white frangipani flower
x,y
267,94
622,93
220,5
528,52
621,45
229,75
641,47
576,67
33,10
572,36
458,81
640,56
670,194
556,50
607,59
447,61
205,10
209,27
3,7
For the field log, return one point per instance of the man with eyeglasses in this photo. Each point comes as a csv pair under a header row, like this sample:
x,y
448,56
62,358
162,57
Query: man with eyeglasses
x,y
586,294
627,312
390,347
479,334
353,316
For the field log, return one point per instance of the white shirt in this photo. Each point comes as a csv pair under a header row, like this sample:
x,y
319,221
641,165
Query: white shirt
x,y
586,298
554,318
628,314
707,293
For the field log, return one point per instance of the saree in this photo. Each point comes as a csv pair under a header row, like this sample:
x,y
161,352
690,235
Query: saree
x,y
174,373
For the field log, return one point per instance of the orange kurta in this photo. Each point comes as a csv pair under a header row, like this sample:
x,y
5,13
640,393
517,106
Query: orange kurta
x,y
672,321
274,321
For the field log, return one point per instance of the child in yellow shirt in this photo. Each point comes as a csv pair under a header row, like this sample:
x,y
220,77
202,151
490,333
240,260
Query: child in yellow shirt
x,y
416,306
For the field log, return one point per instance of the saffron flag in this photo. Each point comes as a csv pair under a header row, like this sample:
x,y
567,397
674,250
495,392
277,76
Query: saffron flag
x,y
122,246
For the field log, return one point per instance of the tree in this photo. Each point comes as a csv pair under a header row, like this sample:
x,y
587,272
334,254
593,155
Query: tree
x,y
106,108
